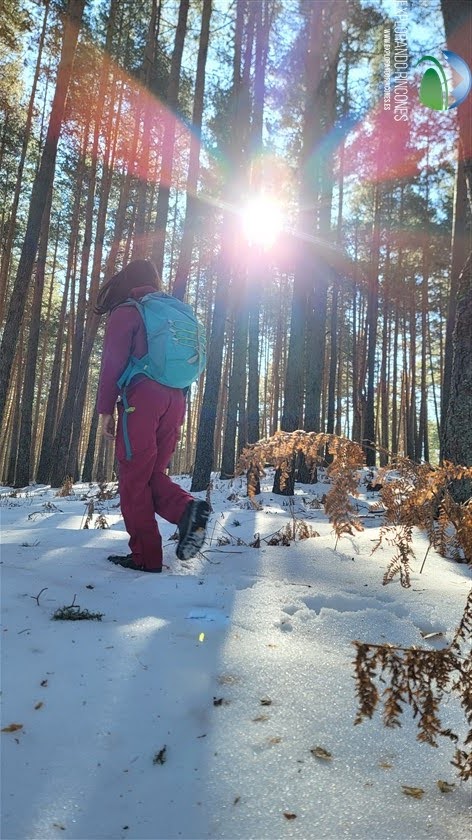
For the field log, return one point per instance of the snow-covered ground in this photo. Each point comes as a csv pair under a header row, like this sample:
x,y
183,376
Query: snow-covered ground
x,y
192,708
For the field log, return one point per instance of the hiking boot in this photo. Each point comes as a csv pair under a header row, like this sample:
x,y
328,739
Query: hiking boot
x,y
127,562
192,528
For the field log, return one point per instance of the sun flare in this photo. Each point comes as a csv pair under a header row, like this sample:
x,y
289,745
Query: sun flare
x,y
261,220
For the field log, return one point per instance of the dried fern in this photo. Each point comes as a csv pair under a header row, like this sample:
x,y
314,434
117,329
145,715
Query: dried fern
x,y
106,491
419,678
101,522
281,451
420,497
88,515
67,488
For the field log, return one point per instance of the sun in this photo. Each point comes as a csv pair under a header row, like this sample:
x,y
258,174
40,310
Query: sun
x,y
261,220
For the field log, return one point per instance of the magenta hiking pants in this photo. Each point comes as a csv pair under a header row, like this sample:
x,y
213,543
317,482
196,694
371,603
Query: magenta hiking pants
x,y
145,489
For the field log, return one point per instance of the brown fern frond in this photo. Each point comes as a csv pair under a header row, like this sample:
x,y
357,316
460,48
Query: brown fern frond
x,y
421,497
106,491
365,671
281,451
67,488
419,678
88,515
304,531
279,538
463,633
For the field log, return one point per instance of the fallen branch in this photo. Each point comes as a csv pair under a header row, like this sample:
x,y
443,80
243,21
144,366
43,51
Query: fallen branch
x,y
36,597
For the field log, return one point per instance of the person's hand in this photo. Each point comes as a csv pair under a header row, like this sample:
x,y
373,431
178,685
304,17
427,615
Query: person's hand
x,y
108,426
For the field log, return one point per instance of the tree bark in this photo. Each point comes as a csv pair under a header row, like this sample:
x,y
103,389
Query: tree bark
x,y
206,429
53,403
204,456
7,248
257,267
38,419
139,242
293,390
372,313
456,436
191,210
87,472
23,465
457,16
62,441
41,186
459,253
457,446
237,382
167,156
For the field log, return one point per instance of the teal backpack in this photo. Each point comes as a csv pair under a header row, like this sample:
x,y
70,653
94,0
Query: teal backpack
x,y
176,347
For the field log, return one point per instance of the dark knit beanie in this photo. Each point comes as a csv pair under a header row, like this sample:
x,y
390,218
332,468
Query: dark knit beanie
x,y
117,289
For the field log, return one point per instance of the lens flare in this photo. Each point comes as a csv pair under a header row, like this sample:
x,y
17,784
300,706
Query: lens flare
x,y
261,220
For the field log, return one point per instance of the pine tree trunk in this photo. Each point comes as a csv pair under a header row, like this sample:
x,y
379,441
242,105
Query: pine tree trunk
x,y
277,369
433,383
87,473
49,432
41,186
356,406
237,382
204,456
457,16
423,446
458,257
309,192
457,446
372,314
23,465
257,266
394,383
412,421
13,416
92,321
332,360
139,242
191,210
293,388
303,275
206,428
7,247
167,156
62,444
341,363
456,437
253,420
38,418
383,384
223,395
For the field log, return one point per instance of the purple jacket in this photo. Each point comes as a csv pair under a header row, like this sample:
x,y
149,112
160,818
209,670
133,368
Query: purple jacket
x,y
125,336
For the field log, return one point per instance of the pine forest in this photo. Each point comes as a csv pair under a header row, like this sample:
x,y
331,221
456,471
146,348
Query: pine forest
x,y
279,163
282,189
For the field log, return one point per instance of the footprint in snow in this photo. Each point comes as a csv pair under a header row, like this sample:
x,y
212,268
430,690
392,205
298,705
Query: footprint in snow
x,y
290,609
284,625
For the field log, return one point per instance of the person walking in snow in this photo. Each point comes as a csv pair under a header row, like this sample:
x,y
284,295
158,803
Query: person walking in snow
x,y
153,429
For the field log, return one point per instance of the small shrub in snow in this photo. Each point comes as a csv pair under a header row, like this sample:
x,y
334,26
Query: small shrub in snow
x,y
73,612
67,488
